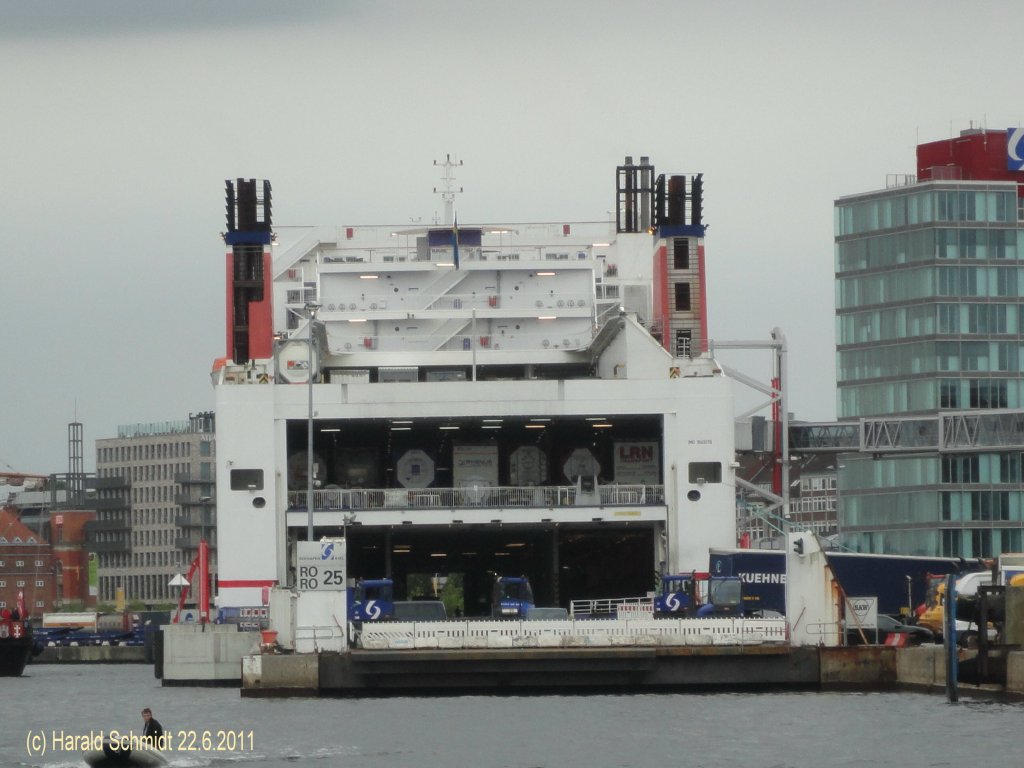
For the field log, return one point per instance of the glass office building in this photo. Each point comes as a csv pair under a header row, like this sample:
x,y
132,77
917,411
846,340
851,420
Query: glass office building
x,y
930,321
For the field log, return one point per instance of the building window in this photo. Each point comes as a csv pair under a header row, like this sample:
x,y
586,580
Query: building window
x,y
705,472
1009,468
682,297
987,393
246,479
960,469
949,394
20,583
39,563
949,318
204,449
39,583
19,563
681,252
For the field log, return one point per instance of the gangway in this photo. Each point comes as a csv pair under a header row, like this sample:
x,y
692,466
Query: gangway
x,y
944,432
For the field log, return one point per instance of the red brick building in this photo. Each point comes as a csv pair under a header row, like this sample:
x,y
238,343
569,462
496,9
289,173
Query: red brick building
x,y
26,565
71,557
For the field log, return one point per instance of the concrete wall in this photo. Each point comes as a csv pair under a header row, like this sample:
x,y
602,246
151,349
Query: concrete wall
x,y
1014,625
193,653
925,665
1015,672
92,654
282,675
870,667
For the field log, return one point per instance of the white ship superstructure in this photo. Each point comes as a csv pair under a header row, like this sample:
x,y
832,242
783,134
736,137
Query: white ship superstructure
x,y
499,398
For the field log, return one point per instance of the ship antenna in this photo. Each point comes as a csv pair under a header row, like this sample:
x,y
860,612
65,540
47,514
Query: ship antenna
x,y
448,190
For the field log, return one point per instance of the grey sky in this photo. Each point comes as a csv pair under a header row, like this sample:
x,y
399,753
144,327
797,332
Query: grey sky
x,y
121,120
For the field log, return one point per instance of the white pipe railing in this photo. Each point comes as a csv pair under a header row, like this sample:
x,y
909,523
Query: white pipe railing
x,y
400,635
476,496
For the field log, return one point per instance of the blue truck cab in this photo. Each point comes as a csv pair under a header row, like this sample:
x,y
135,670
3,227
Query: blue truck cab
x,y
371,600
698,594
511,597
677,595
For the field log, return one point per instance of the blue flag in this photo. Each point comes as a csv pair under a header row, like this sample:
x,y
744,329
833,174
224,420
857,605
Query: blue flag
x,y
455,241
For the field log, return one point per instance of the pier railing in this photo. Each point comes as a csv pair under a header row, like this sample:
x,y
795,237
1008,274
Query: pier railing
x,y
611,607
400,635
478,496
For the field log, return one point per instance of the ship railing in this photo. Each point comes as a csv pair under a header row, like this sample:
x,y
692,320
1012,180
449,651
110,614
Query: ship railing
x,y
550,496
332,250
555,339
439,298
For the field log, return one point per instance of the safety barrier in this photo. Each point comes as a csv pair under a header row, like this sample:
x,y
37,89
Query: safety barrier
x,y
399,635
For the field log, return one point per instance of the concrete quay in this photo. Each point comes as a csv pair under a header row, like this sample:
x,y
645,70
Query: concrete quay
x,y
367,673
196,654
92,654
438,672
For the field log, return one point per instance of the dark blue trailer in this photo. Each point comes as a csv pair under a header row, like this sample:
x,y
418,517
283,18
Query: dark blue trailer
x,y
763,573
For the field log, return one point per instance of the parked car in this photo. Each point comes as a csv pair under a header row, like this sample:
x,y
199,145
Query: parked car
x,y
887,625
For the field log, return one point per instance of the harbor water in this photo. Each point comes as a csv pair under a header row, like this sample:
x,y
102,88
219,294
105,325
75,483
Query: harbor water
x,y
43,712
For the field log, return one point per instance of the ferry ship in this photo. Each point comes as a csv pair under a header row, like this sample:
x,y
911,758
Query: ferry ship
x,y
474,399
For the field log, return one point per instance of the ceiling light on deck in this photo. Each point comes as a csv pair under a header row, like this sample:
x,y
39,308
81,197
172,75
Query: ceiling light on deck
x,y
401,429
449,427
516,544
369,277
546,317
536,426
439,554
491,426
486,420
600,245
540,419
604,425
545,274
357,319
401,421
596,418
446,263
502,554
330,429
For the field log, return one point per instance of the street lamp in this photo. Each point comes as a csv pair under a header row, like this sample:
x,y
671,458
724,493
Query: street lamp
x,y
311,309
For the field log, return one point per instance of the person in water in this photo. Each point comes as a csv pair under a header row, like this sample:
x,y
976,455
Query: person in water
x,y
152,732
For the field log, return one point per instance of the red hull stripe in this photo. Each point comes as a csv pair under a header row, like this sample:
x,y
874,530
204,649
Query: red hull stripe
x,y
245,583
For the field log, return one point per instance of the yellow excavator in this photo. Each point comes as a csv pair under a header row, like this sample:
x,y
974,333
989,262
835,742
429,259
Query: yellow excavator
x,y
933,614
